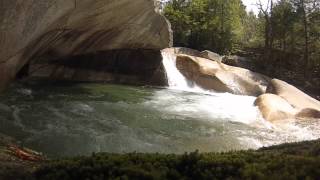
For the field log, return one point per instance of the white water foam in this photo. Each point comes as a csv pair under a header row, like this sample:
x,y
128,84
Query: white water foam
x,y
175,79
217,105
227,106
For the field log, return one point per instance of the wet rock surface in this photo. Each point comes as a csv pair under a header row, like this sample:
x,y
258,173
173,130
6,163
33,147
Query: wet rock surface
x,y
219,77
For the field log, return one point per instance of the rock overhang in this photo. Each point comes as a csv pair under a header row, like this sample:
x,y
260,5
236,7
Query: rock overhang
x,y
62,28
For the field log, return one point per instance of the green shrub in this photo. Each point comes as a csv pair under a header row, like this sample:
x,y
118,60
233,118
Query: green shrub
x,y
288,161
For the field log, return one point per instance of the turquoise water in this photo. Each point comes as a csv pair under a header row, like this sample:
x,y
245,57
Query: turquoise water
x,y
77,119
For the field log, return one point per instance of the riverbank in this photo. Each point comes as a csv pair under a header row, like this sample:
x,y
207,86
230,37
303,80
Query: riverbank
x,y
286,161
16,162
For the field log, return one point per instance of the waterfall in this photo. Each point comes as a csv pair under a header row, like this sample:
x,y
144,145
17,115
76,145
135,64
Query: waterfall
x,y
228,107
222,105
175,79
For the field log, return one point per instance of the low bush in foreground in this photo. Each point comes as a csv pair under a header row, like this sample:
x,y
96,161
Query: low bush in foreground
x,y
289,161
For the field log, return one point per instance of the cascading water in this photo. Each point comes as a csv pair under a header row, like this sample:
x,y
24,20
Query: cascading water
x,y
231,108
70,119
218,105
175,79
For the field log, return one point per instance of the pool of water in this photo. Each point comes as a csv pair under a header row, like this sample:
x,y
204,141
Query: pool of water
x,y
65,119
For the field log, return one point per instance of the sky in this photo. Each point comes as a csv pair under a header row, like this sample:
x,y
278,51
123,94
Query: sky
x,y
251,5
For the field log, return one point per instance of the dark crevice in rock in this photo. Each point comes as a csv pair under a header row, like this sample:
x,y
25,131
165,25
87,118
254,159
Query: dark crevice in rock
x,y
128,66
24,72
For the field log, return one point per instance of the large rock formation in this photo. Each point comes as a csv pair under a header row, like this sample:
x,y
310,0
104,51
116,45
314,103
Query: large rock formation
x,y
308,106
294,96
219,77
277,100
274,107
284,101
57,29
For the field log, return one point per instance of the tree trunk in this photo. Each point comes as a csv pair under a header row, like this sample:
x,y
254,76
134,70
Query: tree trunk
x,y
267,29
306,37
222,27
271,26
284,43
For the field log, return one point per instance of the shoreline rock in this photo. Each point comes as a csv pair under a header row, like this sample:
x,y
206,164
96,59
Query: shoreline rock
x,y
284,101
293,95
274,108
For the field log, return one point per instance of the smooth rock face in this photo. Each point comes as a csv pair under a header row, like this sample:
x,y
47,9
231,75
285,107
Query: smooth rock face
x,y
284,101
219,77
293,95
211,55
55,29
274,108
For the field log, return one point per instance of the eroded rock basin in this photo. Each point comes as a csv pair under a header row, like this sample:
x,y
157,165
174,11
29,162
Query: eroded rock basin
x,y
65,119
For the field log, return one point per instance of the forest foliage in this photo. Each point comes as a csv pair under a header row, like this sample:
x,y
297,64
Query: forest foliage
x,y
223,26
207,24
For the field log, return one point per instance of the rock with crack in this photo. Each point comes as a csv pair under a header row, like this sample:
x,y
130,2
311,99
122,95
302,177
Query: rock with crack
x,y
274,108
213,75
57,29
308,106
293,95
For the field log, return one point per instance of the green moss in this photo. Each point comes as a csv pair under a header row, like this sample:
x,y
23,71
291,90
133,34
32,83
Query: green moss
x,y
289,161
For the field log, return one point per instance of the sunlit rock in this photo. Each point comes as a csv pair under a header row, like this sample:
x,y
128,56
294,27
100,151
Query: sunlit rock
x,y
212,75
293,95
274,108
286,101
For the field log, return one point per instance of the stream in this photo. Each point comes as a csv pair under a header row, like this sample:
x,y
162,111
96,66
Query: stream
x,y
70,119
